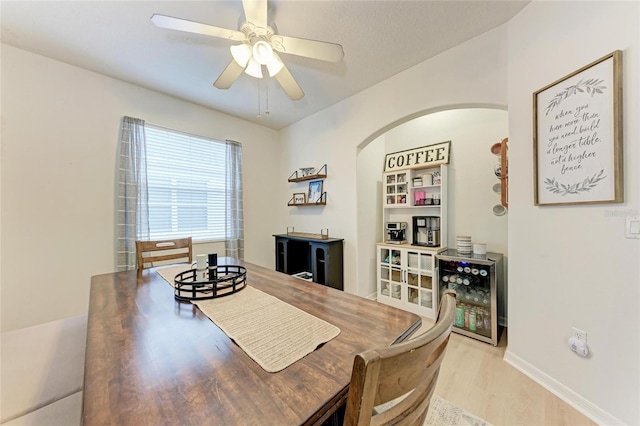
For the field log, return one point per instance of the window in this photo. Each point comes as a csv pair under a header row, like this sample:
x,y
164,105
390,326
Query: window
x,y
186,177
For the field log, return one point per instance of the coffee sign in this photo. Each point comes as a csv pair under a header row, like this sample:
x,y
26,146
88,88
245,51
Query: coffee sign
x,y
418,158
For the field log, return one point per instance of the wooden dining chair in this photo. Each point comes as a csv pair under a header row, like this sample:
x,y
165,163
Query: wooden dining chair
x,y
394,384
148,252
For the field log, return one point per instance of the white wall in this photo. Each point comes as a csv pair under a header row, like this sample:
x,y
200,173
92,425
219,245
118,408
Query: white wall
x,y
472,74
572,266
60,127
369,167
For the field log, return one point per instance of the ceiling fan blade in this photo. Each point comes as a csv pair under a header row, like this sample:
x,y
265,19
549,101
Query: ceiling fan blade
x,y
256,12
172,23
289,84
229,75
321,50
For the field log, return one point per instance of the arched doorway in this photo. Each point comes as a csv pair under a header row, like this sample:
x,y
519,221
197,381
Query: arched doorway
x,y
472,131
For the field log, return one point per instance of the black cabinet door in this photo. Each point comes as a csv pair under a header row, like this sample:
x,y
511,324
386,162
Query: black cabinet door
x,y
323,258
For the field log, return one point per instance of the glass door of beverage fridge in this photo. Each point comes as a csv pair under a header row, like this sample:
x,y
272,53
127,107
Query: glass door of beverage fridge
x,y
474,279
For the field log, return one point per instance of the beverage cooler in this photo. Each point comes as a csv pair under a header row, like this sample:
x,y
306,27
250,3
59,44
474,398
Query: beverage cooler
x,y
474,277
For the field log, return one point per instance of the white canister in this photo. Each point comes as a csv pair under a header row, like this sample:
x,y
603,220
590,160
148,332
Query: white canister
x,y
201,261
479,248
201,267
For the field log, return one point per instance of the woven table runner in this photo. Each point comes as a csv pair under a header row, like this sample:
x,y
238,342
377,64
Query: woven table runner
x,y
273,333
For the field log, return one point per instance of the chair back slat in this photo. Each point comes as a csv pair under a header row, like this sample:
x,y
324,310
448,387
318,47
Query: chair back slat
x,y
150,252
406,372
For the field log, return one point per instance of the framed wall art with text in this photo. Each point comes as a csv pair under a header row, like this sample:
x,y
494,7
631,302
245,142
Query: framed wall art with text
x,y
577,136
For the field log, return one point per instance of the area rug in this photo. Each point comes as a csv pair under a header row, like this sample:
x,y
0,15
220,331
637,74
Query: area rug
x,y
273,333
444,413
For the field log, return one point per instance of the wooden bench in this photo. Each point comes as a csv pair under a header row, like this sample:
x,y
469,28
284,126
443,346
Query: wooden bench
x,y
42,372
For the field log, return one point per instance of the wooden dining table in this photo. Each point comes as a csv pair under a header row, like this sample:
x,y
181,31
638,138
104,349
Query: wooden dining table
x,y
153,360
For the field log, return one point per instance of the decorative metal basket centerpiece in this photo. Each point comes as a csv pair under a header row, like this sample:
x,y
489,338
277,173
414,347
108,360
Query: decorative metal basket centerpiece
x,y
228,279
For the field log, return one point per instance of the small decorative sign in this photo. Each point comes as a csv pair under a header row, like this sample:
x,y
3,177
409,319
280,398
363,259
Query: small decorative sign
x,y
299,198
418,158
578,136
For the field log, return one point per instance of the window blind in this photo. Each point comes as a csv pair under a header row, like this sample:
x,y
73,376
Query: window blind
x,y
186,183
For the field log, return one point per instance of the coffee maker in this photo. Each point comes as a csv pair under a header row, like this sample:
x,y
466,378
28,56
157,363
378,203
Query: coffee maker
x,y
396,232
426,231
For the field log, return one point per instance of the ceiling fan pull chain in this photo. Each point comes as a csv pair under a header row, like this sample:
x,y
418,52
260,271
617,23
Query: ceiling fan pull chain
x,y
266,110
259,116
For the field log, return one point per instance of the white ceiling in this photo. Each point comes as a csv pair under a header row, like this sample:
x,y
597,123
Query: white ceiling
x,y
117,39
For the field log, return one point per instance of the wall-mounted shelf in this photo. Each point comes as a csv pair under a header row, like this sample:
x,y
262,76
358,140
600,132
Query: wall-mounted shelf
x,y
504,177
321,202
320,174
303,199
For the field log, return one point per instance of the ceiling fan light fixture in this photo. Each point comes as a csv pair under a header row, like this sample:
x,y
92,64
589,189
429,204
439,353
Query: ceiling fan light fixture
x,y
274,66
241,54
259,44
262,52
254,69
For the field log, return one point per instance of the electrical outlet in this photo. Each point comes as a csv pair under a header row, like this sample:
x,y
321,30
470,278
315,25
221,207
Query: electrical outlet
x,y
579,335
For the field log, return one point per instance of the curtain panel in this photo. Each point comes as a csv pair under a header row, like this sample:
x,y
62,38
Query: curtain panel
x,y
234,222
132,210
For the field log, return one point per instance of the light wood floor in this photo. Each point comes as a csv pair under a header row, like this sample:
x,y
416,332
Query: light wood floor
x,y
474,376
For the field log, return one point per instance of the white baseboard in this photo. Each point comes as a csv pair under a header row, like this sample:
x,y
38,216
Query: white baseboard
x,y
372,296
575,400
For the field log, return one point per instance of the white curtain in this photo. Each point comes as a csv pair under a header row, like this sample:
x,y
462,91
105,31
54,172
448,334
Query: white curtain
x,y
234,229
132,209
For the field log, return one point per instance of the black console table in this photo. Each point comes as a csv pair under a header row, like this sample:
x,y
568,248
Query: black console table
x,y
321,257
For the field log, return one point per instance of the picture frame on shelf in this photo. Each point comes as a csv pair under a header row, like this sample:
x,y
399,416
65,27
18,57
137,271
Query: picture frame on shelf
x,y
307,171
577,139
299,198
315,191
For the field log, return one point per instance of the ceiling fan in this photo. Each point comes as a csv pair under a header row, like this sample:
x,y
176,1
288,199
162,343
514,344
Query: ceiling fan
x,y
259,44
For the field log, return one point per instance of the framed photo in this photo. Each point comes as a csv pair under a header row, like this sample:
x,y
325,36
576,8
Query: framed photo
x,y
315,191
299,198
577,136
